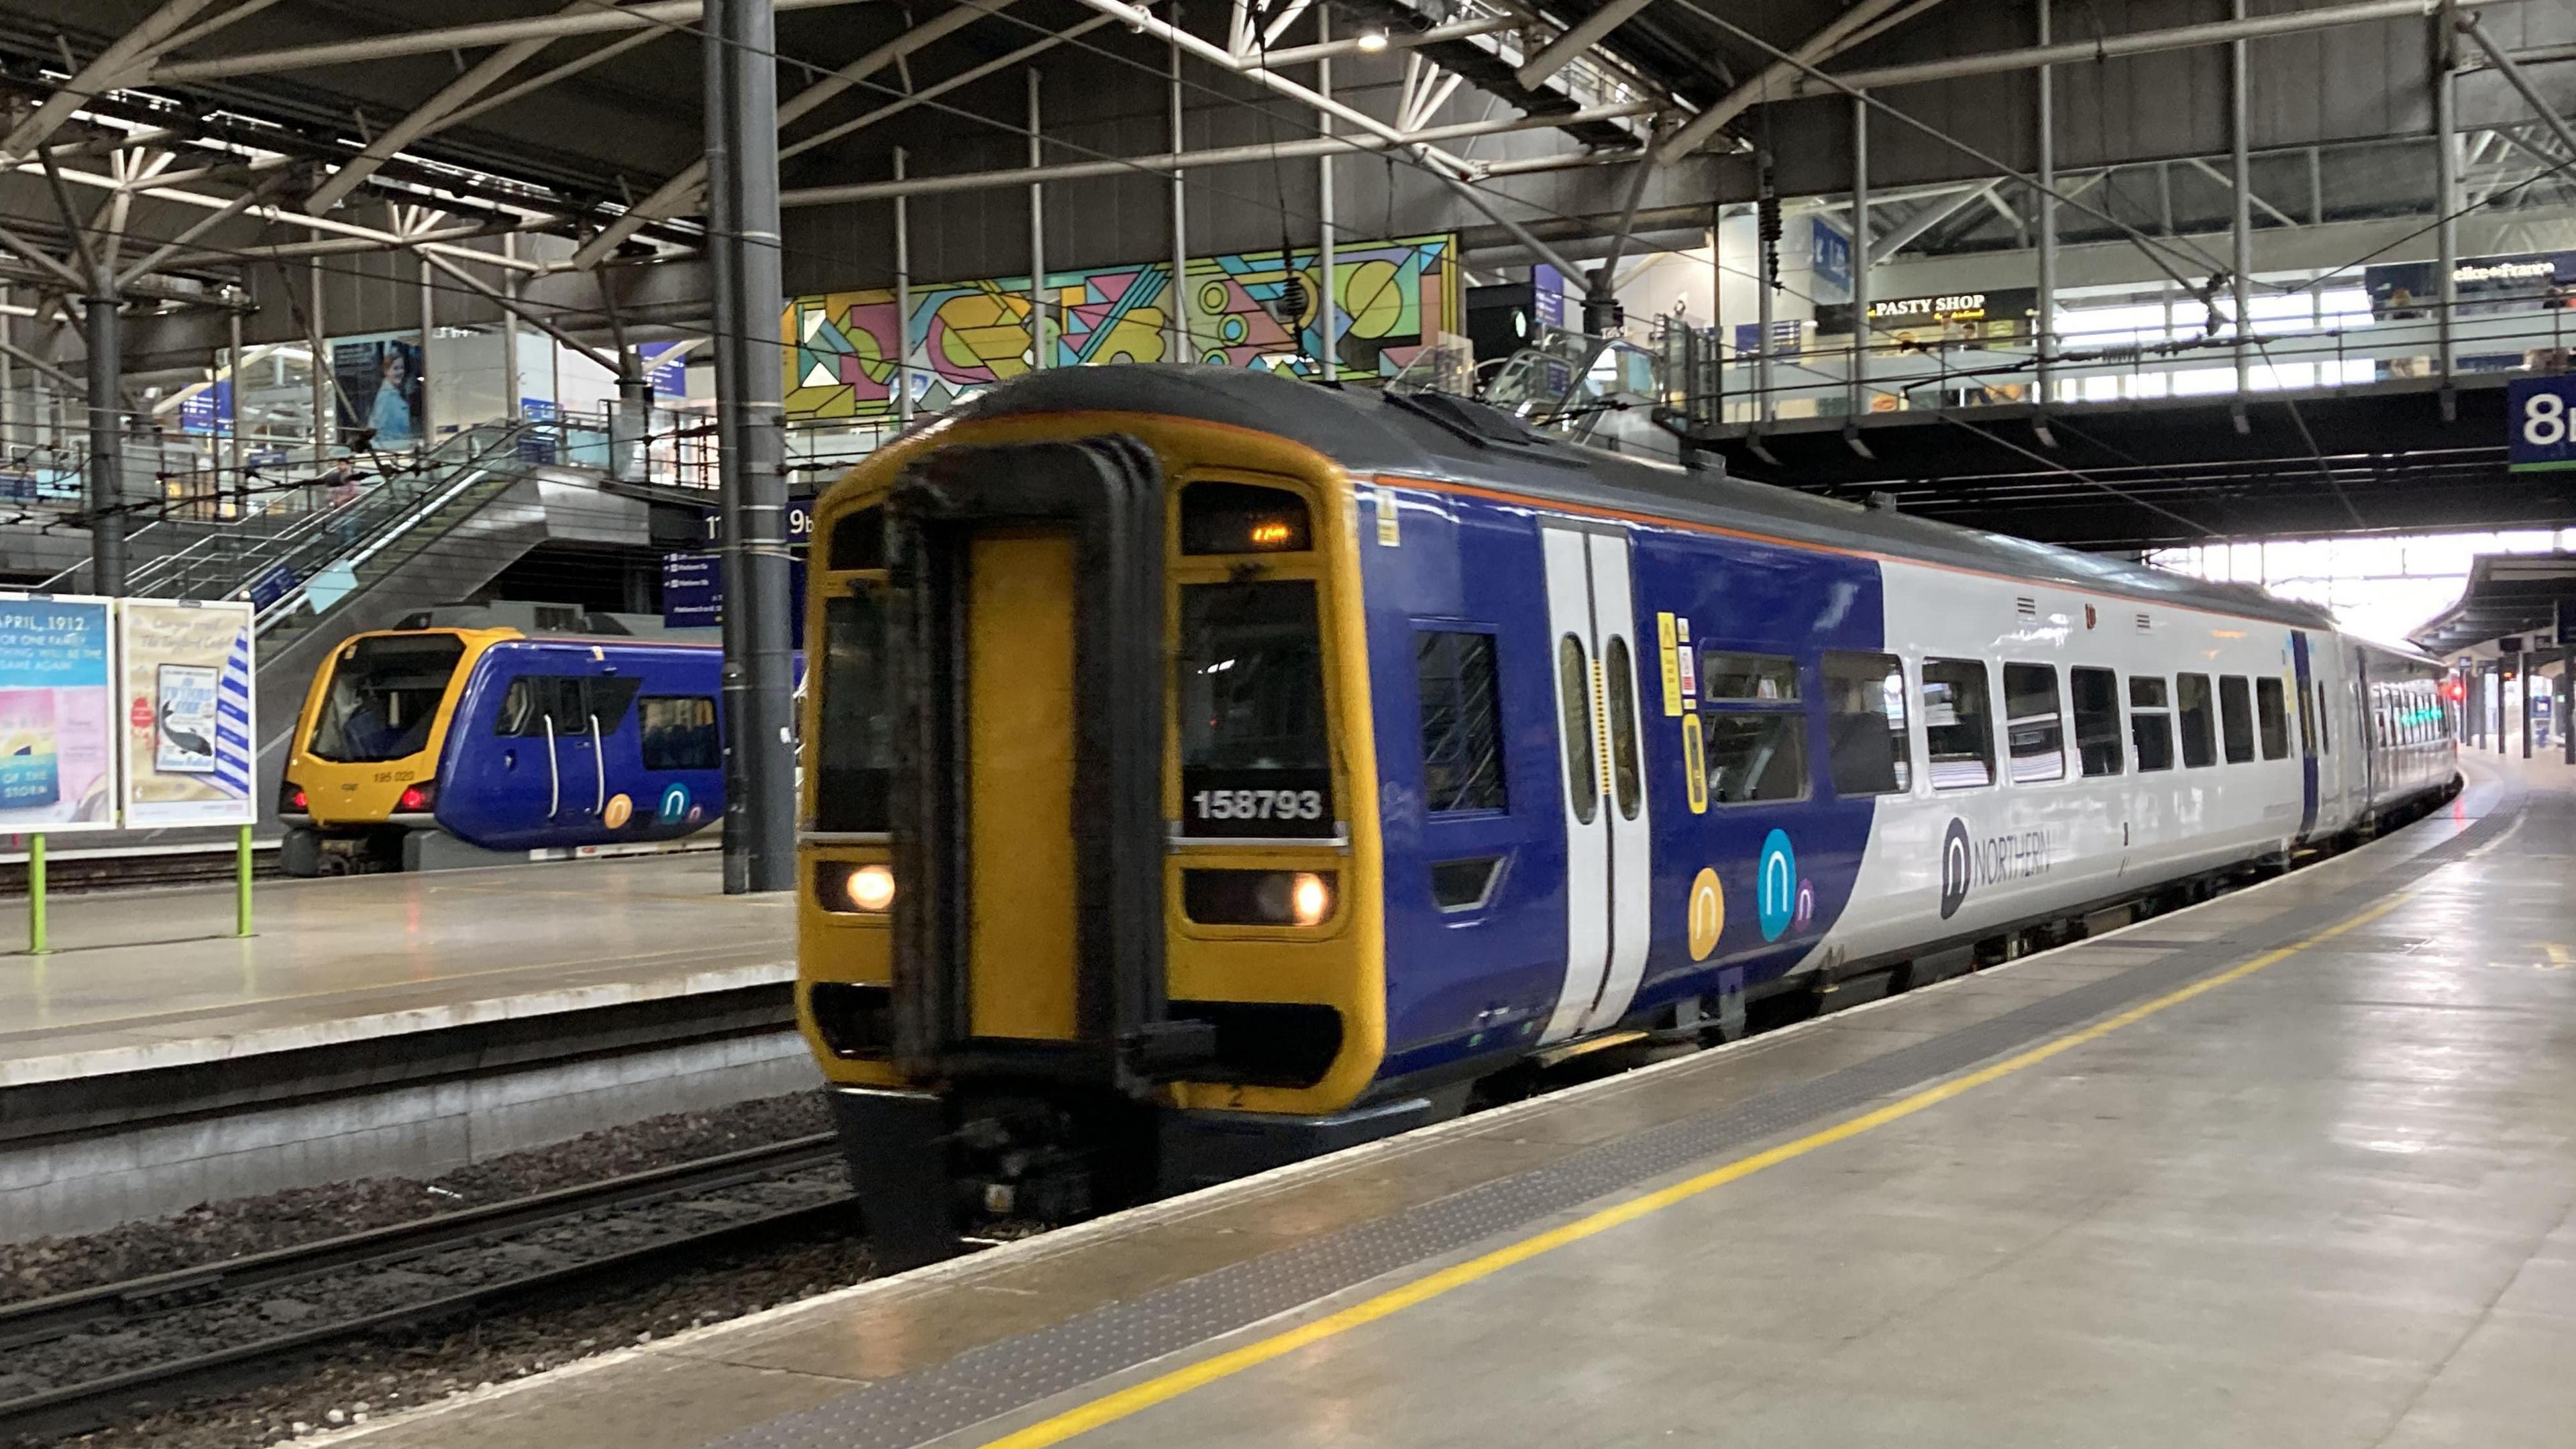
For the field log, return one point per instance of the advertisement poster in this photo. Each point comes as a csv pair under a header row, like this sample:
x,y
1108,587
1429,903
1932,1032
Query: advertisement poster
x,y
57,716
380,384
187,714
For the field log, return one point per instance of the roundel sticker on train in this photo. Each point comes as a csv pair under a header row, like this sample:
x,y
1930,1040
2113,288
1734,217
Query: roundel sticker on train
x,y
1955,862
675,803
1775,885
1707,914
617,812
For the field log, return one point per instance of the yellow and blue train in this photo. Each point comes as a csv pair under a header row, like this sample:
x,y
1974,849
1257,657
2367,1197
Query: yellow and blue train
x,y
1205,770
505,740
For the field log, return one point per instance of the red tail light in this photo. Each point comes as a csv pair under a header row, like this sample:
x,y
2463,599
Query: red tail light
x,y
295,801
415,798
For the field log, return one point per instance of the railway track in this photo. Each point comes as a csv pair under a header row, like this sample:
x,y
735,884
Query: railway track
x,y
66,874
78,1360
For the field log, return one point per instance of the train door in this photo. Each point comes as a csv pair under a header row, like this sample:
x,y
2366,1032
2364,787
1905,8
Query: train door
x,y
2301,673
1592,618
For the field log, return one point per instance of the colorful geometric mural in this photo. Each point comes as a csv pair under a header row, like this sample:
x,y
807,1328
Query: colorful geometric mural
x,y
1394,298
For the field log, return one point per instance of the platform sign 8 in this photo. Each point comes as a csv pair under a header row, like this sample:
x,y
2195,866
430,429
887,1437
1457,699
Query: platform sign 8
x,y
2541,418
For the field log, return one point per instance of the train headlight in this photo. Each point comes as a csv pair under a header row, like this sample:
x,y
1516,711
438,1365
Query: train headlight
x,y
1309,899
853,890
1257,897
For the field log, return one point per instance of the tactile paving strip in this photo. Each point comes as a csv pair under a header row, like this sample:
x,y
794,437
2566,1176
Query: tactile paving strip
x,y
997,1378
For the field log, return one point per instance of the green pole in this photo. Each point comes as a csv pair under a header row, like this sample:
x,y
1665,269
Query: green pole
x,y
241,885
36,898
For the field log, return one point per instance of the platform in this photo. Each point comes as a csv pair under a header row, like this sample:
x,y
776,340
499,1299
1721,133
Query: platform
x,y
379,1025
2290,1167
154,978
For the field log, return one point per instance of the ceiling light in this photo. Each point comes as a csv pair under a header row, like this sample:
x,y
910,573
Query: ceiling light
x,y
1372,41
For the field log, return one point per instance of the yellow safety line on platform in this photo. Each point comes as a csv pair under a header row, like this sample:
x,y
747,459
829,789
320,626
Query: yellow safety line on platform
x,y
1112,1407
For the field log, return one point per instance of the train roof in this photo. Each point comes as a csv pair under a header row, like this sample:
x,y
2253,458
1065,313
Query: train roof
x,y
1453,440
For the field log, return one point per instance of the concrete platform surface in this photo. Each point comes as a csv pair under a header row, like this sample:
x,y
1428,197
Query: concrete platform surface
x,y
2290,1168
153,978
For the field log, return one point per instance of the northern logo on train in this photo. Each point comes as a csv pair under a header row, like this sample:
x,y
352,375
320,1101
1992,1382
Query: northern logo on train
x,y
1707,914
617,812
1958,865
1775,886
675,803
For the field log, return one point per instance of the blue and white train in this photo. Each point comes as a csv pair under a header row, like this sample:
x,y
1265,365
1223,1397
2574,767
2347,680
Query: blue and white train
x,y
1205,770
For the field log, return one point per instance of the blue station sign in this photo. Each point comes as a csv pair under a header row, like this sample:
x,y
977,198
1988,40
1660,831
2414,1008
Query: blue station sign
x,y
2540,420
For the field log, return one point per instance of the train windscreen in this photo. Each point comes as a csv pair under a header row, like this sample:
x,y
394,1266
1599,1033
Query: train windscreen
x,y
384,697
852,791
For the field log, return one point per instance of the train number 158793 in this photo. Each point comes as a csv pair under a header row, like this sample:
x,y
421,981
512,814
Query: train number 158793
x,y
1258,804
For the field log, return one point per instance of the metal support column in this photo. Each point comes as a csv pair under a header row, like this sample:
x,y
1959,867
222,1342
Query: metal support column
x,y
325,426
8,379
1716,316
2044,346
1183,348
2566,635
232,417
2522,676
106,438
1328,324
760,812
1859,404
902,303
2241,221
2446,199
1766,268
420,376
1038,349
510,405
2505,739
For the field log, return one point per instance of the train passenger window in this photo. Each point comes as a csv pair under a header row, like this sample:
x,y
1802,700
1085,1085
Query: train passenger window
x,y
2095,693
2196,713
1574,696
1865,741
1251,691
1618,676
1242,518
2325,735
2272,714
2307,723
2151,722
570,702
2033,729
1757,678
534,700
680,732
1958,724
1462,722
1756,754
2235,718
854,750
383,697
604,701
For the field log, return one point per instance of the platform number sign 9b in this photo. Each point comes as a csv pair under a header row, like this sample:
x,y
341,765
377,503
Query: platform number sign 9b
x,y
2541,416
